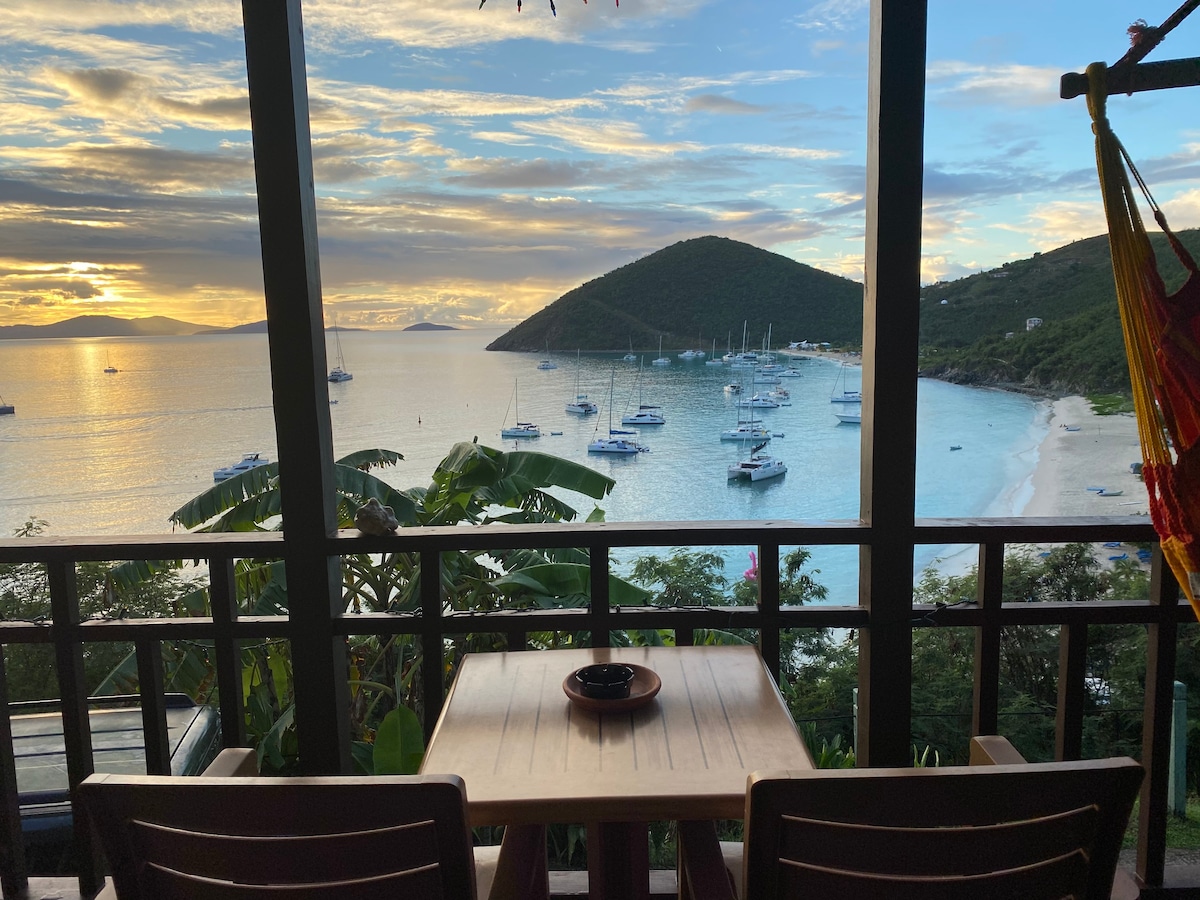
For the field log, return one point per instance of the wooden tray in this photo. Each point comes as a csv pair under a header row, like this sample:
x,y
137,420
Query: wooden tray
x,y
642,689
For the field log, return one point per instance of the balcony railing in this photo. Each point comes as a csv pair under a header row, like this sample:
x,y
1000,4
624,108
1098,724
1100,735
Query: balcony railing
x,y
226,629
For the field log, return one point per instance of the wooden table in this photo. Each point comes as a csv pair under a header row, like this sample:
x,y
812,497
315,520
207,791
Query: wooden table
x,y
529,757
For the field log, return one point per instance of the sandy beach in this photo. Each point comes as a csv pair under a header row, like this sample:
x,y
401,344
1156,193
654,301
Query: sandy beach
x,y
1083,450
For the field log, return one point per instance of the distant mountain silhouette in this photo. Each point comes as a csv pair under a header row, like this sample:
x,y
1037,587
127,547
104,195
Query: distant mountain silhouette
x,y
430,326
103,326
689,294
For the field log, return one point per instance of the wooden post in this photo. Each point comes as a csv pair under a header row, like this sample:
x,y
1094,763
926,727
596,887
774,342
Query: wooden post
x,y
895,154
287,218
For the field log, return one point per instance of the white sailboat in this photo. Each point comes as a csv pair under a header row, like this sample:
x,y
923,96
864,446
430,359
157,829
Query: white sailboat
x,y
630,356
519,429
580,404
109,368
338,373
647,413
713,359
547,363
844,395
617,441
748,430
662,360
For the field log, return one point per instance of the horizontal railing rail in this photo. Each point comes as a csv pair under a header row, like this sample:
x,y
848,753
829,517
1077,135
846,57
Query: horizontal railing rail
x,y
987,615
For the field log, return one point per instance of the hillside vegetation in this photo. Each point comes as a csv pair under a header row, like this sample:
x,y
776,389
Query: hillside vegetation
x,y
689,294
972,330
1077,348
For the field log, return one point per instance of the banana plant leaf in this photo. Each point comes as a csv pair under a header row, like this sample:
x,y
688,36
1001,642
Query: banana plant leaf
x,y
566,580
399,743
370,459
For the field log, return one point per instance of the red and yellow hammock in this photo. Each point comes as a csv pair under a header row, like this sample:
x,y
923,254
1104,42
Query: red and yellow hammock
x,y
1162,343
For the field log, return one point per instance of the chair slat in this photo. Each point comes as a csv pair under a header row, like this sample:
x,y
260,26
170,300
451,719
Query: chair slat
x,y
270,859
947,850
1057,879
167,884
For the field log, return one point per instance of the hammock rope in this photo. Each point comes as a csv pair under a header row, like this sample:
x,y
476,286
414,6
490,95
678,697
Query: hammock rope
x,y
1162,344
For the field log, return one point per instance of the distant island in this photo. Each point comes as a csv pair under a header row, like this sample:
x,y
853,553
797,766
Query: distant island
x,y
429,326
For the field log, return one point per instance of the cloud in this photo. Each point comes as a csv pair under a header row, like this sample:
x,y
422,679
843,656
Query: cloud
x,y
611,137
712,103
834,15
956,83
510,174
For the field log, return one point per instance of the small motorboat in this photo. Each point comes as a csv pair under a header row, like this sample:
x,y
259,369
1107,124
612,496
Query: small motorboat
x,y
956,446
248,461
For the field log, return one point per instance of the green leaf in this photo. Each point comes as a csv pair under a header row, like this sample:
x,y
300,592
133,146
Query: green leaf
x,y
370,459
566,579
399,745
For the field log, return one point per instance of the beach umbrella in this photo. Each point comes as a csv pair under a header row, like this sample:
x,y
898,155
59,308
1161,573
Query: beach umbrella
x,y
1162,343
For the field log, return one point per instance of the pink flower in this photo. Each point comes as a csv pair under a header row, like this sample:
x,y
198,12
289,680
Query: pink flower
x,y
751,574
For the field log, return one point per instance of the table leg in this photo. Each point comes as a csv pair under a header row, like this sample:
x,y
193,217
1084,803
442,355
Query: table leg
x,y
521,870
618,861
702,874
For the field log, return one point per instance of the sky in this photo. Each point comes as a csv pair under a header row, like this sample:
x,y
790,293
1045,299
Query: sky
x,y
474,164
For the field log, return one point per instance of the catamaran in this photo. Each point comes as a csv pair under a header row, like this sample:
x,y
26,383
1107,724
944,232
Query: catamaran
x,y
338,373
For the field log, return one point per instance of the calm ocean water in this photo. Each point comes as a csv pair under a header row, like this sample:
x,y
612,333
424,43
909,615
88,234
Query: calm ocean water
x,y
105,454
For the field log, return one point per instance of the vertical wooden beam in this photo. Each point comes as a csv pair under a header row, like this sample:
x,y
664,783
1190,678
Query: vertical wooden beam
x,y
77,731
1156,723
985,708
287,215
222,592
768,607
14,877
598,584
895,154
153,702
432,646
1072,691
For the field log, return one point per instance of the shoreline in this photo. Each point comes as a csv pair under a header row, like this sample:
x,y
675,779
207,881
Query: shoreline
x,y
1084,450
1080,450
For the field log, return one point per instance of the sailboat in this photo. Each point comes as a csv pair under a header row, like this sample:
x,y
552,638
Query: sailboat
x,y
662,360
843,395
7,409
746,429
647,413
713,359
519,429
616,441
580,403
109,368
338,373
547,363
630,356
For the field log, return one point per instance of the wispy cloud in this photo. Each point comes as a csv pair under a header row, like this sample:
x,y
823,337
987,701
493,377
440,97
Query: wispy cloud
x,y
953,82
834,15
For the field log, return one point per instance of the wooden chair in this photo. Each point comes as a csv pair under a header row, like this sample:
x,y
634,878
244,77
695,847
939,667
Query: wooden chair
x,y
231,836
1004,830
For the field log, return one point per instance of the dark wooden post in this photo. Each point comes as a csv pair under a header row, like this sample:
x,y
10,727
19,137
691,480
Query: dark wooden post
x,y
287,216
895,154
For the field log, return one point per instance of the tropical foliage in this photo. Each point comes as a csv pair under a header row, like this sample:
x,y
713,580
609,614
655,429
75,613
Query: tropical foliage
x,y
473,485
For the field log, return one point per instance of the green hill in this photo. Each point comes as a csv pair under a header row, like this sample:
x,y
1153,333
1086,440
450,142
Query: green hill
x,y
690,293
1077,348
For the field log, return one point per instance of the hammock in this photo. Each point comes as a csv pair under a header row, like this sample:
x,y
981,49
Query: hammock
x,y
1162,343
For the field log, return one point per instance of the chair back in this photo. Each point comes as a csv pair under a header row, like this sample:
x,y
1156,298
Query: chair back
x,y
1029,831
313,838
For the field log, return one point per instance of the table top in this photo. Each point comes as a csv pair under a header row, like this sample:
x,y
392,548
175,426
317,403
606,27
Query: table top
x,y
528,755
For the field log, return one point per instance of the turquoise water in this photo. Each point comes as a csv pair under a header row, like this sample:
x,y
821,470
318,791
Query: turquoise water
x,y
114,454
